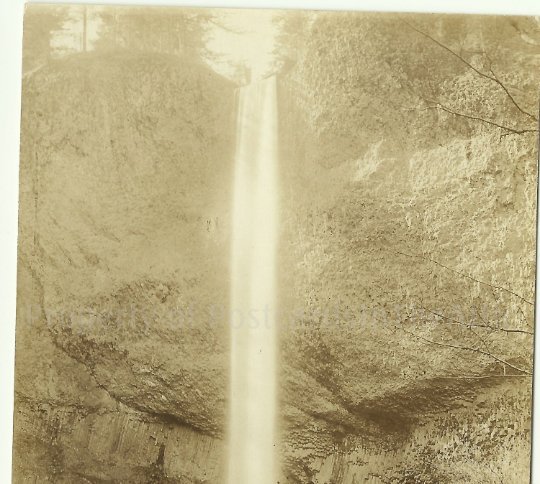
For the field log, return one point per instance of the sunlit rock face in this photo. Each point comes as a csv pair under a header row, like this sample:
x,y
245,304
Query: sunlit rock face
x,y
400,226
124,252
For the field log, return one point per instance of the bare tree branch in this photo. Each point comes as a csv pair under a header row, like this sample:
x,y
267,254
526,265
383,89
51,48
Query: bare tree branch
x,y
462,274
491,77
466,348
436,104
482,340
481,377
222,26
474,325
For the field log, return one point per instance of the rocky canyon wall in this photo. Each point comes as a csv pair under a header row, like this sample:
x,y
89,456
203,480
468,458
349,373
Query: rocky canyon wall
x,y
122,356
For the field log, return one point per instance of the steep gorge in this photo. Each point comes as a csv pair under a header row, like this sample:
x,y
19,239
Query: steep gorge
x,y
397,218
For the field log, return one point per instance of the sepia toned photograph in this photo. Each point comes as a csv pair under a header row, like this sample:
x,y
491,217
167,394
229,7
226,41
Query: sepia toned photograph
x,y
275,246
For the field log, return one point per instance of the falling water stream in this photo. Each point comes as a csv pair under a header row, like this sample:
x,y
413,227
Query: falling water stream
x,y
252,432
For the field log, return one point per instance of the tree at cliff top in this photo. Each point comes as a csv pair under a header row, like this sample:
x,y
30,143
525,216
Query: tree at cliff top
x,y
39,23
172,31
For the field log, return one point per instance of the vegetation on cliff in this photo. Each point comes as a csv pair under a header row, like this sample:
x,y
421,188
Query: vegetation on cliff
x,y
122,253
408,185
408,152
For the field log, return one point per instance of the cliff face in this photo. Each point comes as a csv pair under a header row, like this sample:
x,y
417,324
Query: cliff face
x,y
407,251
406,277
122,355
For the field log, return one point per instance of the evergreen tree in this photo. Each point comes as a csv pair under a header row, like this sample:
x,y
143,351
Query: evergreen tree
x,y
40,21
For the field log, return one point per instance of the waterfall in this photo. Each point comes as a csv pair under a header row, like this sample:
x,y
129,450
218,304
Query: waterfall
x,y
252,431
